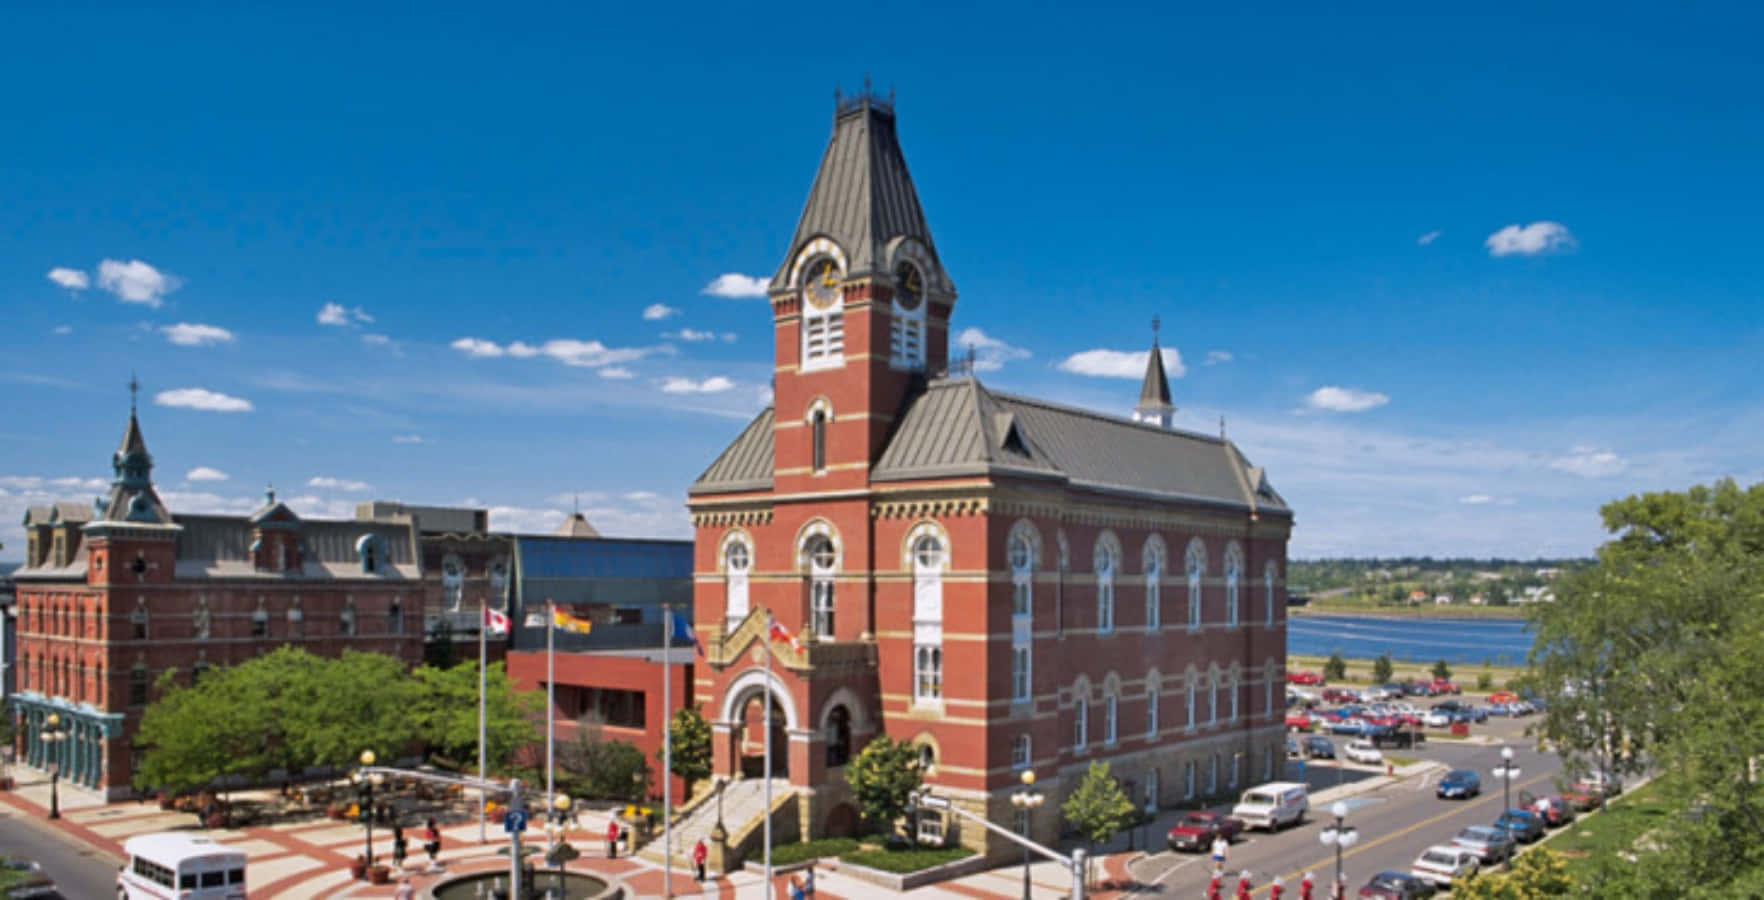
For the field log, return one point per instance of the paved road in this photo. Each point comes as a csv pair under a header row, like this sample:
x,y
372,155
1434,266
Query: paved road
x,y
80,871
1395,823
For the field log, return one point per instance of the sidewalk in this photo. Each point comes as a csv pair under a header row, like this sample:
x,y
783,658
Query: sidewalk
x,y
310,858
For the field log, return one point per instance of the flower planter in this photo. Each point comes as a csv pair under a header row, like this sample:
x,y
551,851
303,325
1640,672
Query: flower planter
x,y
498,814
167,802
358,870
380,875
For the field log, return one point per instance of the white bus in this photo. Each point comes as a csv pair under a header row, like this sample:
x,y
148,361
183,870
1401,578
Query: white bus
x,y
174,865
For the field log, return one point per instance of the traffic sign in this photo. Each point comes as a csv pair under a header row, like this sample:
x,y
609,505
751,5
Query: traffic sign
x,y
931,802
514,822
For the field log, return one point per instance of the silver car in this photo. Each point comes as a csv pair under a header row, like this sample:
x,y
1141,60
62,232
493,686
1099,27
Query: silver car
x,y
1491,845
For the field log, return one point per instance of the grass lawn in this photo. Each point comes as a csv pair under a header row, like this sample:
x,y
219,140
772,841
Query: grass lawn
x,y
1359,671
783,854
1361,606
1400,761
1605,834
906,859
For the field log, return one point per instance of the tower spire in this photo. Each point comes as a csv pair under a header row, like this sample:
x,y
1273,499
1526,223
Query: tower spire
x,y
1154,392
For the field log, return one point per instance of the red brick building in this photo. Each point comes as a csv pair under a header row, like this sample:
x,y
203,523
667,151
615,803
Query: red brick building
x,y
115,593
1007,582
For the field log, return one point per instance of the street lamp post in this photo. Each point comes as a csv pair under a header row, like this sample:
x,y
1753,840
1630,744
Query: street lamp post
x,y
1026,800
1341,837
557,837
364,788
53,735
1506,773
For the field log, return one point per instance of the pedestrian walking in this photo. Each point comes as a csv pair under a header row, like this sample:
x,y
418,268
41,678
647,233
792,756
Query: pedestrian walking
x,y
432,842
399,847
612,839
1221,848
796,888
700,853
808,880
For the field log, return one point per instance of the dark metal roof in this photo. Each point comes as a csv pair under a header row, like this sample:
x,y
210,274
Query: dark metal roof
x,y
1154,392
862,197
958,427
745,465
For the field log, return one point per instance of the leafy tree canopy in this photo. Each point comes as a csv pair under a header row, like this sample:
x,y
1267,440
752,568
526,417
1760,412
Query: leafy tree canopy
x,y
1099,807
883,778
690,736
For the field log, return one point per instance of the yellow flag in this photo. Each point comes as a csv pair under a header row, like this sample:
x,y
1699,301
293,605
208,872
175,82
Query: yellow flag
x,y
572,624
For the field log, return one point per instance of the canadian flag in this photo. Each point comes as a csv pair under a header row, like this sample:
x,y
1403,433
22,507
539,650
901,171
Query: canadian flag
x,y
496,622
778,633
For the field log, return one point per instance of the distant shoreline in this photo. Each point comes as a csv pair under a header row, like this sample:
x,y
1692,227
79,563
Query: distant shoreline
x,y
1414,612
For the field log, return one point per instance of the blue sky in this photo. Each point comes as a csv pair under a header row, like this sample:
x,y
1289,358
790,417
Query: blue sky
x,y
1455,280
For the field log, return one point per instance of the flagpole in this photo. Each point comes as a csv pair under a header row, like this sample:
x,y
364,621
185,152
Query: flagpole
x,y
667,751
483,657
767,720
550,701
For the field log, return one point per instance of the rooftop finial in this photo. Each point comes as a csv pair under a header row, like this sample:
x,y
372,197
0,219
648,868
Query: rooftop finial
x,y
269,493
134,391
1221,427
866,82
970,358
1155,324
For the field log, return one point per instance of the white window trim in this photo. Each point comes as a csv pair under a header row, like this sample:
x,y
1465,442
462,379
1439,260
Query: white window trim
x,y
1196,571
1022,752
1233,580
1081,712
736,600
1105,564
1189,692
1188,780
1111,720
1153,596
928,691
1151,714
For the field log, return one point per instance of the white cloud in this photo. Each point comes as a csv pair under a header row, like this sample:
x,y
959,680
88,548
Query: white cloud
x,y
72,279
74,481
1428,238
340,316
1529,240
1590,462
641,496
990,353
189,334
733,284
618,372
336,484
62,329
476,348
21,482
655,312
1476,499
376,340
715,384
691,335
203,399
407,439
522,350
1121,363
730,337
1340,399
1215,357
135,281
205,473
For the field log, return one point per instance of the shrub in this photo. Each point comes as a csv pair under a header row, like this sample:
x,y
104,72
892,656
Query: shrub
x,y
1336,668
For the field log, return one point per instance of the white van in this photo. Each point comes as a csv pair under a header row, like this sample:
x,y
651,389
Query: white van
x,y
183,865
1273,805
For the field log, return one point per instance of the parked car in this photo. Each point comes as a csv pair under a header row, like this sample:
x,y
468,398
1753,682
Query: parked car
x,y
1306,677
1502,697
1363,751
1402,737
1273,805
1298,722
25,878
1525,825
1438,718
1293,749
1581,800
1197,830
1475,714
1397,886
1338,695
1348,725
1491,845
1444,863
1459,784
1556,810
1447,705
1319,747
1600,782
1442,686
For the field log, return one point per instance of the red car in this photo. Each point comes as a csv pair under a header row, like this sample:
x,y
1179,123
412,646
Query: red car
x,y
1441,686
1338,695
1298,722
1197,831
1304,678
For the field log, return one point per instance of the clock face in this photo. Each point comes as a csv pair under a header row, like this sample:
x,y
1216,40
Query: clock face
x,y
909,287
820,283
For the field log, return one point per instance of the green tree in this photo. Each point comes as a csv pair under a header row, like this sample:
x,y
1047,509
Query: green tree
x,y
1652,657
1442,671
1540,874
1381,669
1335,668
592,767
1484,680
444,712
690,736
883,778
1098,808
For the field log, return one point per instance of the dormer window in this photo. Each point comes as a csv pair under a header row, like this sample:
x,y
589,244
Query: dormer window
x,y
371,548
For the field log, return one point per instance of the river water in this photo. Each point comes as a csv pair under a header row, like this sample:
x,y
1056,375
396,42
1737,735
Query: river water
x,y
1461,641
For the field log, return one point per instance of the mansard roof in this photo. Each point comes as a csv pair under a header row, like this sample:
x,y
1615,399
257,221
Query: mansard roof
x,y
745,465
862,197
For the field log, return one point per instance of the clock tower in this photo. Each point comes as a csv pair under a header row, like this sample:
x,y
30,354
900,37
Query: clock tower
x,y
860,306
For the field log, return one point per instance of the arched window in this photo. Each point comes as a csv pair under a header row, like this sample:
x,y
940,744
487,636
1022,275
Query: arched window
x,y
1213,697
1233,575
818,428
346,619
1153,698
1268,679
1268,589
1188,780
1188,692
1022,560
296,618
260,620
927,759
453,573
202,619
1232,684
1197,567
838,736
395,617
138,685
1111,720
1081,723
928,579
1236,767
138,619
1020,674
1104,562
1213,775
1152,602
928,674
1151,789
822,560
1020,757
737,561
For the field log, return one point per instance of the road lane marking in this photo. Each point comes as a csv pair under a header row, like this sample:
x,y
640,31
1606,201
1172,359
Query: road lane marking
x,y
1328,861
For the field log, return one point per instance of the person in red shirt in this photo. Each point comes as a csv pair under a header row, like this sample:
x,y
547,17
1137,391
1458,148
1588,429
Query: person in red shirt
x,y
700,853
612,839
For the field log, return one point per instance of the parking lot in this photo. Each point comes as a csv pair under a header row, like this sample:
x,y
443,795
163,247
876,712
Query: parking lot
x,y
1395,818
